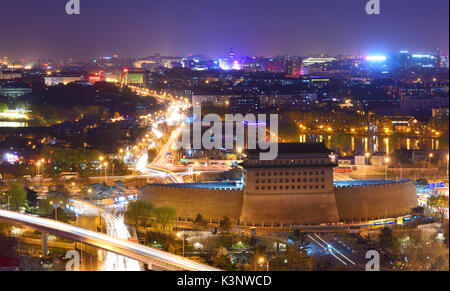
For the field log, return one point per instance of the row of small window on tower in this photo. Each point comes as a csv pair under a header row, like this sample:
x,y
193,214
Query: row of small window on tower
x,y
290,187
298,180
300,173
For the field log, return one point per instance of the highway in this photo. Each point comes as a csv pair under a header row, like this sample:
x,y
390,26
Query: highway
x,y
154,258
115,227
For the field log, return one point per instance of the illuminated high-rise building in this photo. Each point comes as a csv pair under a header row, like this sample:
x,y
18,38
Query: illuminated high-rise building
x,y
232,63
4,61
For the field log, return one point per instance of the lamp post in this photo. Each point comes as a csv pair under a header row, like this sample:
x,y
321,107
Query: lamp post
x,y
181,234
239,150
100,217
367,155
56,208
90,194
121,153
262,260
106,169
43,168
429,159
38,165
101,158
386,161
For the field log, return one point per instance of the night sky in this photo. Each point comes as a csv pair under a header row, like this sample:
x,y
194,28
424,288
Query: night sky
x,y
41,28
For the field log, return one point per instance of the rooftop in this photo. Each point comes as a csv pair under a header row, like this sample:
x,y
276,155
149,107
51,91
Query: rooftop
x,y
297,148
367,182
205,185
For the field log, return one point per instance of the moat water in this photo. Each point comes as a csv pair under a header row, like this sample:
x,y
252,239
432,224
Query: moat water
x,y
358,144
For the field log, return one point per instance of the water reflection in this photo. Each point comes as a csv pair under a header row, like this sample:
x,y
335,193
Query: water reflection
x,y
378,143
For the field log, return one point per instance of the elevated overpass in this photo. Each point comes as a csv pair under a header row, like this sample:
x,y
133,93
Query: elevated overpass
x,y
155,259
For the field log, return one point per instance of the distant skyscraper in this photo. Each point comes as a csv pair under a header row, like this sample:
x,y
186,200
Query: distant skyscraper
x,y
232,63
231,54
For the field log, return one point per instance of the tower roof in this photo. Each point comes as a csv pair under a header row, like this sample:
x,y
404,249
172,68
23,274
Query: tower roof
x,y
297,148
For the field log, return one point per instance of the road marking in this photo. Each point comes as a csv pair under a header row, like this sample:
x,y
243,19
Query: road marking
x,y
326,249
334,249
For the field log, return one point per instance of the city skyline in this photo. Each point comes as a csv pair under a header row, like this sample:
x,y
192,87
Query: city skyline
x,y
206,135
296,28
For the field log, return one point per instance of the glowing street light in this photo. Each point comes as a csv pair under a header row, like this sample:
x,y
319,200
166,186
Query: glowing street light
x,y
56,208
387,160
38,166
181,235
367,155
106,169
261,261
240,150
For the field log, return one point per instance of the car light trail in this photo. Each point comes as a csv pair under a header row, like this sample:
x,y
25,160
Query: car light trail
x,y
123,247
326,249
331,247
115,227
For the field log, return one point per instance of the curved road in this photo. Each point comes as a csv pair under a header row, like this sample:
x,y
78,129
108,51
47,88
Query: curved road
x,y
147,255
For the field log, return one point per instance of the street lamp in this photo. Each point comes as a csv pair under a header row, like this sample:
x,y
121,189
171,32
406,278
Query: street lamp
x,y
90,194
56,210
100,216
42,161
239,150
38,165
429,159
106,169
101,158
262,260
56,207
367,155
181,234
387,160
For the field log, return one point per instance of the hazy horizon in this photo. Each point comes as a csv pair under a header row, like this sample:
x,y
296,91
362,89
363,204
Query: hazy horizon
x,y
42,29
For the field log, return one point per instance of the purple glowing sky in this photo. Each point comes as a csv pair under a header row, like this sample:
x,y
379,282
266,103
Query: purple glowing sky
x,y
252,27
